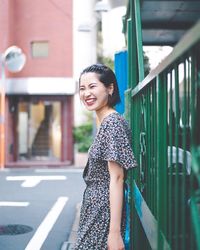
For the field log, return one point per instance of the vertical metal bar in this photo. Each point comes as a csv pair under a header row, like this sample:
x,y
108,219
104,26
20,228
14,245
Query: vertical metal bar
x,y
170,132
148,146
128,115
195,174
154,118
161,157
132,114
140,59
151,146
191,94
133,43
195,103
152,149
183,189
177,119
132,214
132,49
165,151
192,111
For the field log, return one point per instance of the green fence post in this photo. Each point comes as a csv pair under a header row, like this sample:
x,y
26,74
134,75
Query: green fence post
x,y
161,158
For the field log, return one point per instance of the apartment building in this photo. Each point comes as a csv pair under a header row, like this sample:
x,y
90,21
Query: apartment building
x,y
39,99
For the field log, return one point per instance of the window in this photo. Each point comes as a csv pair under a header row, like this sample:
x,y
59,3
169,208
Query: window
x,y
40,49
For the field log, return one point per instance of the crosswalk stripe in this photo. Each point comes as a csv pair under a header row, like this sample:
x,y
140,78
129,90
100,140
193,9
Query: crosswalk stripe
x,y
13,204
32,181
47,224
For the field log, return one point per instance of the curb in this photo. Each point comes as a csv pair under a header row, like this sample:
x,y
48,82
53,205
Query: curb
x,y
69,244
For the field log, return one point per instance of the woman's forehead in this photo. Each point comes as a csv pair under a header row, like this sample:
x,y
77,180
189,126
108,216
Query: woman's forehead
x,y
89,76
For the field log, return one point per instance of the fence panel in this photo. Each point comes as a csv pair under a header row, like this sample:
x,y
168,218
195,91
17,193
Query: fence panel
x,y
164,116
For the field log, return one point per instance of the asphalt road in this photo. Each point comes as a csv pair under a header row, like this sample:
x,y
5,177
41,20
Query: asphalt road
x,y
37,207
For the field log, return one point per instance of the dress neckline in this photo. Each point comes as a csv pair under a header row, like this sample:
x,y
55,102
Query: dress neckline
x,y
105,118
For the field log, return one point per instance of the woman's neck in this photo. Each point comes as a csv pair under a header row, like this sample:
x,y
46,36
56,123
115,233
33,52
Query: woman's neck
x,y
101,114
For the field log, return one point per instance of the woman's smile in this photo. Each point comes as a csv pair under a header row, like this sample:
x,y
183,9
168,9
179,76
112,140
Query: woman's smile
x,y
90,101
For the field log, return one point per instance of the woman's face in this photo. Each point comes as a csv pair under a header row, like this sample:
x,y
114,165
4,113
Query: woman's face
x,y
93,93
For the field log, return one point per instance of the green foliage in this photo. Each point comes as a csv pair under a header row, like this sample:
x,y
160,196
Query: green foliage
x,y
109,62
83,137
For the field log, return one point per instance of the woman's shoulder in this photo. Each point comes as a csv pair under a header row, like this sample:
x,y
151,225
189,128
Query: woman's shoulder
x,y
114,117
115,121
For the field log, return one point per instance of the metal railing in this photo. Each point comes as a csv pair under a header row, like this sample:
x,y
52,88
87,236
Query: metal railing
x,y
163,110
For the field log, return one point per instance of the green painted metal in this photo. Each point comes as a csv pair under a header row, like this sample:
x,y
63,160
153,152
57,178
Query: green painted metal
x,y
131,71
148,221
195,124
177,119
163,111
161,153
132,114
184,111
196,221
170,160
138,34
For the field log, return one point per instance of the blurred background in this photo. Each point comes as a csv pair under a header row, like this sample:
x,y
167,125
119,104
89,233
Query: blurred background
x,y
41,114
153,46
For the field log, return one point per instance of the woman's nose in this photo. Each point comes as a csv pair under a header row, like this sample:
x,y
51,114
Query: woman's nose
x,y
87,93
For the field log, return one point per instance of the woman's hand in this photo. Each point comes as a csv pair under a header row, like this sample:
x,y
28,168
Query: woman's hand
x,y
115,241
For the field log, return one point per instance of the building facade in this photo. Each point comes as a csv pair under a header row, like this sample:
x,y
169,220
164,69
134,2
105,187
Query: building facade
x,y
39,99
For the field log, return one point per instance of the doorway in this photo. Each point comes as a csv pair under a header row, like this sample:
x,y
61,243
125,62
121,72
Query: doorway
x,y
39,130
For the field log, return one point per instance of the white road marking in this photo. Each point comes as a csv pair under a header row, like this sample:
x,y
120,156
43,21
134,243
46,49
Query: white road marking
x,y
13,204
32,181
45,227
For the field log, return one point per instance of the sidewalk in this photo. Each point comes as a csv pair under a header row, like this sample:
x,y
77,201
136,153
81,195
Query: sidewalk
x,y
69,244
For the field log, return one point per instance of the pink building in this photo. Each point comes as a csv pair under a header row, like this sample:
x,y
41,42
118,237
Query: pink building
x,y
39,99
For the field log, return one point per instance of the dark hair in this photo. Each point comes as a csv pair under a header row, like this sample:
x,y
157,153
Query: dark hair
x,y
107,77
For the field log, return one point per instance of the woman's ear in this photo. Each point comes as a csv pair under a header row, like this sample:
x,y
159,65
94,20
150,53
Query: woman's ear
x,y
111,89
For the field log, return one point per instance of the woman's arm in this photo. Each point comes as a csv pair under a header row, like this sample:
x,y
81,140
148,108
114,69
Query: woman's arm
x,y
115,241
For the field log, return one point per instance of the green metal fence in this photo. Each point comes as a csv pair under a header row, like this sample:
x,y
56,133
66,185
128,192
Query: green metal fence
x,y
164,112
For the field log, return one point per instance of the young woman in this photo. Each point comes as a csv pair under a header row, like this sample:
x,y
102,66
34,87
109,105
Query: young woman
x,y
101,224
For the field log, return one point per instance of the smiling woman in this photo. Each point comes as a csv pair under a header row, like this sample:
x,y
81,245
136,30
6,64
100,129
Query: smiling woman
x,y
102,217
93,93
98,89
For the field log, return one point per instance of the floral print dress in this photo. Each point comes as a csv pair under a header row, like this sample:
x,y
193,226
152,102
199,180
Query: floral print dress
x,y
112,143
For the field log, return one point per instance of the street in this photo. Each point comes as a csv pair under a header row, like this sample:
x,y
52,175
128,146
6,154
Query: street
x,y
37,207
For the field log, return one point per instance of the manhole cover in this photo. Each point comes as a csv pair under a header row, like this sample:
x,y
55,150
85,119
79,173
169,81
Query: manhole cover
x,y
14,229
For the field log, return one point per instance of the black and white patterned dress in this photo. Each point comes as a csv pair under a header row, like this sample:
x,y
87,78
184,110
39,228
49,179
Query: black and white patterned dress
x,y
112,143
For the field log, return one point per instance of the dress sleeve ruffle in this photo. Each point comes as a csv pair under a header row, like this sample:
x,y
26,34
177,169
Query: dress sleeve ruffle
x,y
117,145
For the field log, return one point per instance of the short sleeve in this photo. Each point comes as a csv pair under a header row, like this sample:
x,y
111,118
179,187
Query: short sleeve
x,y
117,144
